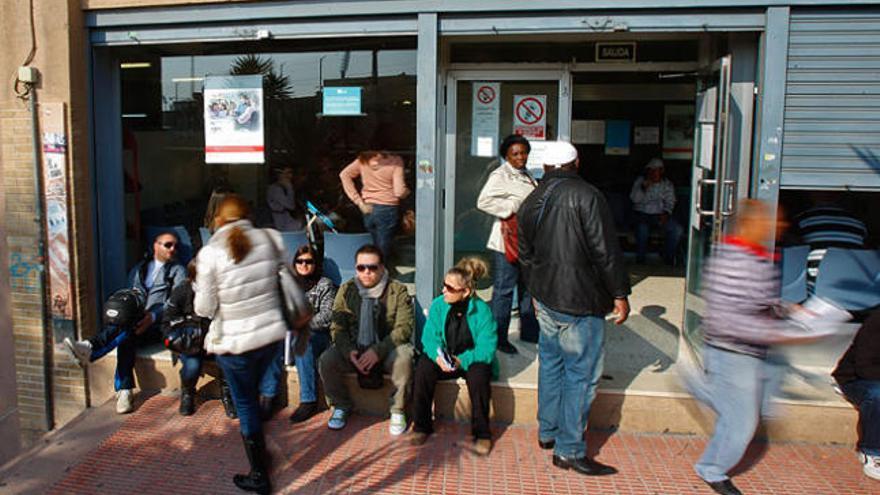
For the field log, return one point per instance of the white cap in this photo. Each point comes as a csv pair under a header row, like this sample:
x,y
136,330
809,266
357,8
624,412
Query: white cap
x,y
654,163
559,153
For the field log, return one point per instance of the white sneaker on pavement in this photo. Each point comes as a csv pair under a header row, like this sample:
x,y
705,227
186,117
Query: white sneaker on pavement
x,y
871,466
80,351
337,419
123,401
398,424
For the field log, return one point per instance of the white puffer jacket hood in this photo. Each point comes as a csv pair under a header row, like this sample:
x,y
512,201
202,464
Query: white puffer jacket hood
x,y
241,299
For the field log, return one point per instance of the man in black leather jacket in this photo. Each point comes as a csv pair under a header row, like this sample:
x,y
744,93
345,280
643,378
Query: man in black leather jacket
x,y
575,271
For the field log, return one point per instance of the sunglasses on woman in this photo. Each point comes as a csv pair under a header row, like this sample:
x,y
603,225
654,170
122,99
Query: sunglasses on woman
x,y
304,261
455,290
370,267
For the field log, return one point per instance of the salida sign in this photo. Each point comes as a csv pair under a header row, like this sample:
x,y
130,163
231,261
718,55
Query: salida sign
x,y
616,52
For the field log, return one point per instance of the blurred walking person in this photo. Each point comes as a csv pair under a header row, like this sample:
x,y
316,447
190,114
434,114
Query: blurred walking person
x,y
237,287
744,318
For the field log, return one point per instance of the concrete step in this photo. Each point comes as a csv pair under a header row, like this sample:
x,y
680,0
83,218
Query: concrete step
x,y
516,401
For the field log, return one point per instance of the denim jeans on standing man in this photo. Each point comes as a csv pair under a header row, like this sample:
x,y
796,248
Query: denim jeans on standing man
x,y
382,225
570,357
865,394
244,372
505,279
739,389
307,366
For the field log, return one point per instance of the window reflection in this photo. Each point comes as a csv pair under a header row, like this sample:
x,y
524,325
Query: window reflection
x,y
166,179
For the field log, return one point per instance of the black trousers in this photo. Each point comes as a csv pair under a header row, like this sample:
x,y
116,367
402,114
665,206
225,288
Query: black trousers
x,y
478,377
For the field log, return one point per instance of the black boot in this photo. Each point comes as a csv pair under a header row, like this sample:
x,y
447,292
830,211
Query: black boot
x,y
187,401
266,407
304,411
257,480
226,400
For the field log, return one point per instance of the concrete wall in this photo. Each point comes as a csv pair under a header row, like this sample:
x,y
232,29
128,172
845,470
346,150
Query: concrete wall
x,y
60,59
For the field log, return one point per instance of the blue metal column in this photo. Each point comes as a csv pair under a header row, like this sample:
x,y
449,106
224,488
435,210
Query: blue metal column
x,y
771,106
108,175
428,208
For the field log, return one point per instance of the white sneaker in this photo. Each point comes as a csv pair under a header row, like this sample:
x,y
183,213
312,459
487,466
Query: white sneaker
x,y
123,401
337,419
80,351
871,466
398,424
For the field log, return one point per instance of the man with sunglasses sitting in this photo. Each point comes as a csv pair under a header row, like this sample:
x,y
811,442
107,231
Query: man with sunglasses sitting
x,y
156,275
371,326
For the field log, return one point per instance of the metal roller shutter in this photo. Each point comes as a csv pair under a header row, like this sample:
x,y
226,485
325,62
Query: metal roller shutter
x,y
831,133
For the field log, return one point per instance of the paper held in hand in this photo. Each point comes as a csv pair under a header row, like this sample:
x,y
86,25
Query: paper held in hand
x,y
820,316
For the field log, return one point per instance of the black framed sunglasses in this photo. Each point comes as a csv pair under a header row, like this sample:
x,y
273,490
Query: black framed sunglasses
x,y
304,261
455,290
370,267
168,245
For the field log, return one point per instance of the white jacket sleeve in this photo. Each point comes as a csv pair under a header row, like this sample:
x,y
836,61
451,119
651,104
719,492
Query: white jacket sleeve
x,y
496,200
637,195
205,303
668,197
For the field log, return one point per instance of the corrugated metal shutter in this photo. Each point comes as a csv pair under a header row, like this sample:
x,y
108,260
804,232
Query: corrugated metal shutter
x,y
832,106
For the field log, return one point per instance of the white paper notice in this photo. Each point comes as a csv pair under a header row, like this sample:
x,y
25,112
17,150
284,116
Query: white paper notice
x,y
485,114
485,146
588,131
234,119
646,135
707,145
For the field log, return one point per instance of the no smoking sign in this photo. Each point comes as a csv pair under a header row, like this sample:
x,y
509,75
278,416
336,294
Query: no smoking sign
x,y
530,116
486,94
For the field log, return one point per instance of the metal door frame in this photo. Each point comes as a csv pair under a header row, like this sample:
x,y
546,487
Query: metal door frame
x,y
558,72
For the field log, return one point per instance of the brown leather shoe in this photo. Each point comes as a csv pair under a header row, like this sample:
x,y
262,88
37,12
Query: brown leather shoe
x,y
418,438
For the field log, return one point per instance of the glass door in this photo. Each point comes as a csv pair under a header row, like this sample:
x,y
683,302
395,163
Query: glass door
x,y
483,107
713,187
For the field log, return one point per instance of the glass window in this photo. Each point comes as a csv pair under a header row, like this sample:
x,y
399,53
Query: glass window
x,y
167,181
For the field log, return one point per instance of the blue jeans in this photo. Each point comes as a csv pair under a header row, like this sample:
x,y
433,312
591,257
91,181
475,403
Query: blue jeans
x,y
272,378
866,395
739,389
307,366
382,225
570,357
672,232
244,373
505,279
190,369
126,343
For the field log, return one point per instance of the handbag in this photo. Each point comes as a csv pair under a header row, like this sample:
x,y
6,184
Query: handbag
x,y
511,243
186,335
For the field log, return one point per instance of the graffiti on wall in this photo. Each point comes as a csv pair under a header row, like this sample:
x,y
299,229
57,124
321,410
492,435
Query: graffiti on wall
x,y
23,272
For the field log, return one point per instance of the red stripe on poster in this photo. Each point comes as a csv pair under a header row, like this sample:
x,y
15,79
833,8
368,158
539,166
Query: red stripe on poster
x,y
233,149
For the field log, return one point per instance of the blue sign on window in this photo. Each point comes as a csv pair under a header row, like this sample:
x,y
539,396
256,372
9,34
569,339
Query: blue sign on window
x,y
342,101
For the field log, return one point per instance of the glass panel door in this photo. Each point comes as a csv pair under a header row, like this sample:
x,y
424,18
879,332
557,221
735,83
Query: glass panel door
x,y
483,107
714,192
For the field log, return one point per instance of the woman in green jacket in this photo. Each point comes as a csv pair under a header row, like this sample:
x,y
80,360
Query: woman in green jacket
x,y
459,340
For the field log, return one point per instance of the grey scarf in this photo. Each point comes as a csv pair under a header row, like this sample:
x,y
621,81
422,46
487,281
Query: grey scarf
x,y
367,331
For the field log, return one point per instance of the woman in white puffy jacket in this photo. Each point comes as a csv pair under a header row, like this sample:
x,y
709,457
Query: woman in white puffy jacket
x,y
237,287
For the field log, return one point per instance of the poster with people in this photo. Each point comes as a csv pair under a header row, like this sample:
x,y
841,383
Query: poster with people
x,y
234,119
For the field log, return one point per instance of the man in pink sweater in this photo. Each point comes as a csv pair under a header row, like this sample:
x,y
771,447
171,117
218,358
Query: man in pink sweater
x,y
382,189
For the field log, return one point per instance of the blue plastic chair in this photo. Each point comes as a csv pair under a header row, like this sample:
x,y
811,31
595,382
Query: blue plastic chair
x,y
794,273
850,278
292,241
339,251
204,235
185,246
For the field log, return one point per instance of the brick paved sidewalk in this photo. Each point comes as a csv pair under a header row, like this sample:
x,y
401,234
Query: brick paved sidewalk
x,y
158,451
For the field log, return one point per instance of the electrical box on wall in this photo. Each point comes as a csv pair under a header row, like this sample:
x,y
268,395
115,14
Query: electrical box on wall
x,y
28,75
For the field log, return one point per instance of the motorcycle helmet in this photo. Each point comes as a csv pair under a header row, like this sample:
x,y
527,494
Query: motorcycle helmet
x,y
125,307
